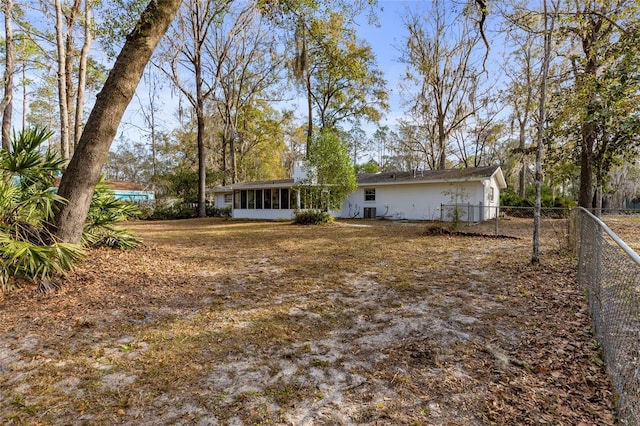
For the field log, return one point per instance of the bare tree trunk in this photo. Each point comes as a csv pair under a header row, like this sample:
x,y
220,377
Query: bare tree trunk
x,y
65,151
24,98
82,74
522,185
548,29
79,180
70,52
309,112
7,103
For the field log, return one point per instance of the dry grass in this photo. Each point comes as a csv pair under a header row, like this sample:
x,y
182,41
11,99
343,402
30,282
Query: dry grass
x,y
226,322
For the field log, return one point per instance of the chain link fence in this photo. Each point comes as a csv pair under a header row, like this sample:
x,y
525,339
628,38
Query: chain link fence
x,y
516,222
610,272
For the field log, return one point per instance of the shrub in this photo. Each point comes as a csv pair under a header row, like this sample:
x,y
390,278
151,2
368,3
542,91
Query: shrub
x,y
218,211
104,213
311,217
175,211
27,249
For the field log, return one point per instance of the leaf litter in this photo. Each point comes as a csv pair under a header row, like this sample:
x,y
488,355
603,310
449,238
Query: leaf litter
x,y
229,322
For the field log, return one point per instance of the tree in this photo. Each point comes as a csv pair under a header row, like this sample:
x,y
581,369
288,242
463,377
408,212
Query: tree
x,y
440,77
332,66
82,73
193,48
6,106
79,180
345,82
522,93
251,76
616,117
549,23
331,175
63,83
595,29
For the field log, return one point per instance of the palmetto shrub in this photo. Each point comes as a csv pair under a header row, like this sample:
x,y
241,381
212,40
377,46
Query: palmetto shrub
x,y
27,249
104,213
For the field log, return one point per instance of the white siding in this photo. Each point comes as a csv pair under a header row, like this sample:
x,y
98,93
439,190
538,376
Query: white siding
x,y
218,201
419,201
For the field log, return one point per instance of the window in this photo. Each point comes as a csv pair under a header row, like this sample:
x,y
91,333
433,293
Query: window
x,y
491,193
369,212
228,198
370,194
236,199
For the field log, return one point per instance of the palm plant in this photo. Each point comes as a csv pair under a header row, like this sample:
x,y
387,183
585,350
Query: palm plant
x,y
105,211
27,249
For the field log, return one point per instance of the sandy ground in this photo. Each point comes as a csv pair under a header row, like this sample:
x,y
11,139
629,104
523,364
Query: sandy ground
x,y
223,322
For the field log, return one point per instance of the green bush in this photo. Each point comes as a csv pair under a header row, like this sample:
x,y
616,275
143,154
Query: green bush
x,y
175,211
218,212
311,217
547,201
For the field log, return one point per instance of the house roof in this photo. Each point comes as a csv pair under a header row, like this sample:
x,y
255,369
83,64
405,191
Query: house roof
x,y
432,176
390,178
273,183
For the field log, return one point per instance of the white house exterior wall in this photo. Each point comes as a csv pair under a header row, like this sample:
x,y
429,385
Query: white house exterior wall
x,y
400,201
218,201
396,197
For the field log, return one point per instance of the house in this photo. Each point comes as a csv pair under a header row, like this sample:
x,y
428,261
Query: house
x,y
471,194
125,191
129,191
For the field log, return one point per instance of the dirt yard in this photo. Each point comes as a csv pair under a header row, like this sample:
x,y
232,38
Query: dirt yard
x,y
218,322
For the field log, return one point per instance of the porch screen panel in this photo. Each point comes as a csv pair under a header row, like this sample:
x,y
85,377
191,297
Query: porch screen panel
x,y
251,199
267,199
284,198
258,198
243,199
275,199
236,199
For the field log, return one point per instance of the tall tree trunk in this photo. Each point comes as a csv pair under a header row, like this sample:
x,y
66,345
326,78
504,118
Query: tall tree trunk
x,y
588,134
70,52
79,180
24,97
202,166
234,157
82,74
522,184
309,112
548,29
442,143
10,49
65,151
